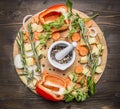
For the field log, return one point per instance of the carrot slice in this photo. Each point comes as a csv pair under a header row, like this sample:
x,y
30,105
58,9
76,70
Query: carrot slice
x,y
76,37
83,51
78,69
26,37
88,23
36,35
56,36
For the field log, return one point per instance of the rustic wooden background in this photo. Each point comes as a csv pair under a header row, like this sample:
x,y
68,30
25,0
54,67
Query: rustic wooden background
x,y
13,93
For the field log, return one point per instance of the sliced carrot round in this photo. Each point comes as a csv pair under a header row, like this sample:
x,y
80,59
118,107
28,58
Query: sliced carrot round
x,y
55,36
76,37
83,51
78,69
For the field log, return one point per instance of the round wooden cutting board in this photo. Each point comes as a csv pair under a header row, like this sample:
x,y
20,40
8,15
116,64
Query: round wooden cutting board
x,y
48,67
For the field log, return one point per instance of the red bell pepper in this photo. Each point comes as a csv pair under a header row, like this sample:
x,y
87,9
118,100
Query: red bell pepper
x,y
51,91
52,13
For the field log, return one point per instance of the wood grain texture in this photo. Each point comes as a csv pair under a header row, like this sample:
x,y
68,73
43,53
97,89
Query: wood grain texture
x,y
13,93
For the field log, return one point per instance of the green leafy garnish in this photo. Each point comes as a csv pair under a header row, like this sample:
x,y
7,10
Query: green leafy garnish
x,y
90,18
69,5
77,94
44,37
68,97
75,77
56,24
91,86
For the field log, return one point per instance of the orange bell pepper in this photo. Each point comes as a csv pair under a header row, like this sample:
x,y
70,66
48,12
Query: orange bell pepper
x,y
51,87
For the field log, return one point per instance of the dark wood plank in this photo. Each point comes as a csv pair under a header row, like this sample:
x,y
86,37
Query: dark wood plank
x,y
13,93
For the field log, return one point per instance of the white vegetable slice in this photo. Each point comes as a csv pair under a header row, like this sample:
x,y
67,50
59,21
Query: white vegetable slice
x,y
24,20
93,32
99,60
37,43
91,40
29,53
99,69
95,50
36,27
86,71
30,61
17,61
84,59
27,47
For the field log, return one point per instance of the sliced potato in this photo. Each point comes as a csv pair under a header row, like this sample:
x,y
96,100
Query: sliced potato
x,y
30,61
36,27
91,41
84,59
27,47
99,69
86,71
37,43
95,50
29,53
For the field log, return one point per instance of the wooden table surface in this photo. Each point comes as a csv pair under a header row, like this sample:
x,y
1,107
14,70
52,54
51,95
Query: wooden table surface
x,y
13,93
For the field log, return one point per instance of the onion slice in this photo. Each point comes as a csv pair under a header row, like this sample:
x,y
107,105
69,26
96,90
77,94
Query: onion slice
x,y
93,32
24,20
17,61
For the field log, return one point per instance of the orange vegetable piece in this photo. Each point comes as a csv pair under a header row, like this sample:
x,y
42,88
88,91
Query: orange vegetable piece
x,y
55,36
83,51
76,37
36,35
26,37
88,23
46,90
78,69
34,19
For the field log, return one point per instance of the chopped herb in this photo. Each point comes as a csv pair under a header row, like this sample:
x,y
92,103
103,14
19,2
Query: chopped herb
x,y
90,18
77,93
56,24
68,97
69,5
75,77
44,37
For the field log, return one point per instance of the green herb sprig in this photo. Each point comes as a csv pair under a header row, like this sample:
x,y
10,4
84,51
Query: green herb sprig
x,y
33,47
26,72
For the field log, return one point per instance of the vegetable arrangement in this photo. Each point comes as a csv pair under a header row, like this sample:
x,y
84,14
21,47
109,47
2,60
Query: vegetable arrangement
x,y
46,26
